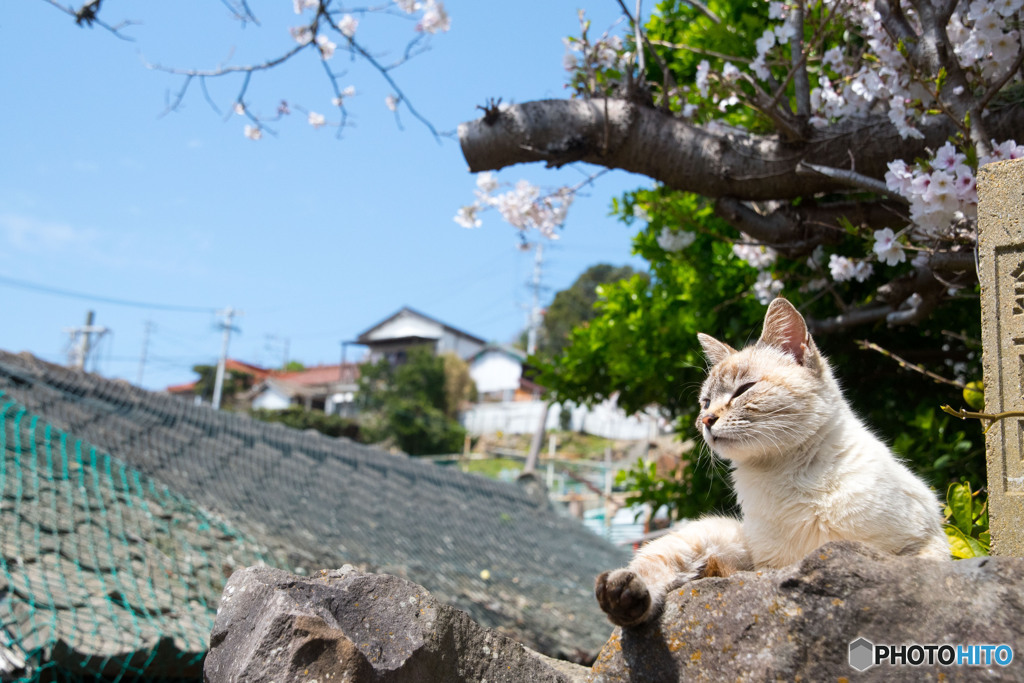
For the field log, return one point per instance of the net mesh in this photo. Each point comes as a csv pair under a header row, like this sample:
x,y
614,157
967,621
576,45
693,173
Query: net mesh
x,y
103,571
124,512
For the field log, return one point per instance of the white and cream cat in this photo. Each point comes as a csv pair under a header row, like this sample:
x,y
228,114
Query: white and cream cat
x,y
806,472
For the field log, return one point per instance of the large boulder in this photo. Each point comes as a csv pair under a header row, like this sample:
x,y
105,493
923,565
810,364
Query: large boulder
x,y
799,623
796,623
350,626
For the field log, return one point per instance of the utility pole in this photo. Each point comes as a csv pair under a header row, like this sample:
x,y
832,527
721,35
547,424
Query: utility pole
x,y
531,336
149,327
218,385
81,341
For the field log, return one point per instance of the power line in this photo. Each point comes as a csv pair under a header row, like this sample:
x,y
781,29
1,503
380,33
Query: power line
x,y
11,282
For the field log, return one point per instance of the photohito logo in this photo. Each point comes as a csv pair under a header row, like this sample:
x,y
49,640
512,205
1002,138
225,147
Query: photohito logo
x,y
864,654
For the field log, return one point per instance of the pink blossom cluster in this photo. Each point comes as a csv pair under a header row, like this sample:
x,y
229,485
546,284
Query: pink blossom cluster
x,y
523,206
760,256
941,190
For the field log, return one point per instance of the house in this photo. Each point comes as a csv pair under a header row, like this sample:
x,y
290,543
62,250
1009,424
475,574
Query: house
x,y
394,336
328,388
509,402
497,370
255,372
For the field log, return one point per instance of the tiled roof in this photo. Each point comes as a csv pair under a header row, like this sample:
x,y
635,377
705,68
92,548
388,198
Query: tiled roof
x,y
319,502
230,364
321,374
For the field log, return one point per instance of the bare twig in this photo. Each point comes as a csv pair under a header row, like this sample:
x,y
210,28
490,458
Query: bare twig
x,y
992,418
87,15
907,365
851,178
1000,82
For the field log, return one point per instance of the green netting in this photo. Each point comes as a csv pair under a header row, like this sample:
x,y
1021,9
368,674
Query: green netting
x,y
104,574
310,501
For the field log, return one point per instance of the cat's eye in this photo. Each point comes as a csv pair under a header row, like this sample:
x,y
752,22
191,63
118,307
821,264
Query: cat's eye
x,y
742,389
705,403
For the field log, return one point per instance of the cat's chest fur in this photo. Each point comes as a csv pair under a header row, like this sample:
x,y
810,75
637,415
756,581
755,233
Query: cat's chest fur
x,y
823,495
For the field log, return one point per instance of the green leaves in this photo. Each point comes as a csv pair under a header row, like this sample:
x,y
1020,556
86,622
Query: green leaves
x,y
966,523
407,403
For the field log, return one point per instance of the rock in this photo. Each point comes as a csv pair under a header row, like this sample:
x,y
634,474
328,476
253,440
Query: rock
x,y
352,626
797,623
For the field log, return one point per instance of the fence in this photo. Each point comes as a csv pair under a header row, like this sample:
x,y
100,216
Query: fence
x,y
124,511
521,417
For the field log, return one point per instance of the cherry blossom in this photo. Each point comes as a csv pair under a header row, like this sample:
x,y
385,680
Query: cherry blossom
x,y
671,240
252,132
467,217
435,18
766,287
316,120
326,46
348,25
889,251
843,269
757,255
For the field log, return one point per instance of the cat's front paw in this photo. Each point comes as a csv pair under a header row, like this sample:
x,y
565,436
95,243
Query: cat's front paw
x,y
623,596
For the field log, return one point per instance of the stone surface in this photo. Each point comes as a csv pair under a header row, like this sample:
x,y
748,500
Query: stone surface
x,y
351,626
1001,273
798,623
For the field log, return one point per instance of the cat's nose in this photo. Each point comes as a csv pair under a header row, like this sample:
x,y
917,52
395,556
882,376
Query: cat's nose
x,y
709,419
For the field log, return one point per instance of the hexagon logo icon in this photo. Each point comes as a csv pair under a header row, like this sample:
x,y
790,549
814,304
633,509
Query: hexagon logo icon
x,y
862,654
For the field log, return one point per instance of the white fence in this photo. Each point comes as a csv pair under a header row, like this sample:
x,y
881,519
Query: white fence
x,y
522,417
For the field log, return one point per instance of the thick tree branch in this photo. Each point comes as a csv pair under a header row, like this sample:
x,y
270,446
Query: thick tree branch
x,y
714,162
797,230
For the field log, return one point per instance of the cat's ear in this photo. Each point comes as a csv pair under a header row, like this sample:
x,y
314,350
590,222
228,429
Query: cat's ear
x,y
715,350
785,329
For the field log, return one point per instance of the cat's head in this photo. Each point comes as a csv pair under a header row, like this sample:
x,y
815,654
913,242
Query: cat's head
x,y
761,403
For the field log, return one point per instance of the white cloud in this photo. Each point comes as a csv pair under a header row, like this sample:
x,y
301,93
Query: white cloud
x,y
27,233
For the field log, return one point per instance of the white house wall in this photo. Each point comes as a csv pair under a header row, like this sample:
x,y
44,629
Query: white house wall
x,y
459,345
496,371
521,417
271,399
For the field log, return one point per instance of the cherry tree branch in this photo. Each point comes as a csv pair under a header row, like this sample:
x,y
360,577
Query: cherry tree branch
x,y
713,161
88,14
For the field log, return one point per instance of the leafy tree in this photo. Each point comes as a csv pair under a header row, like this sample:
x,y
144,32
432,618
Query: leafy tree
x,y
575,305
856,127
409,404
235,382
642,345
458,384
298,417
823,151
293,366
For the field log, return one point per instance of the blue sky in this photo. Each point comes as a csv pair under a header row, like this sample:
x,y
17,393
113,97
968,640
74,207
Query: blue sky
x,y
314,238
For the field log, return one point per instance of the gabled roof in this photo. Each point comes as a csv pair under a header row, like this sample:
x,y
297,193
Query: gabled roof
x,y
510,351
364,337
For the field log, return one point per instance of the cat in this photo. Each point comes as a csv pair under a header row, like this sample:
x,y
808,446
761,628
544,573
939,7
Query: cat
x,y
806,471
